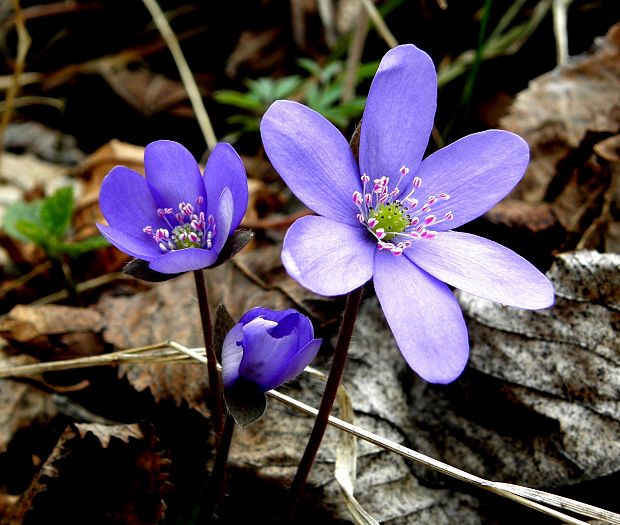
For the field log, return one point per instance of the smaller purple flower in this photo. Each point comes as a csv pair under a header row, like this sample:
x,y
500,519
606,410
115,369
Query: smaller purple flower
x,y
175,218
268,348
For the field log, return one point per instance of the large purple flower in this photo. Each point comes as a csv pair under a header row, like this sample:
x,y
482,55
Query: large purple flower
x,y
268,348
390,219
175,218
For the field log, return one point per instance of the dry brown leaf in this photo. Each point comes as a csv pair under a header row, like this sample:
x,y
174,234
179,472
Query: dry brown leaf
x,y
557,111
104,433
21,405
561,363
249,53
146,91
54,327
82,467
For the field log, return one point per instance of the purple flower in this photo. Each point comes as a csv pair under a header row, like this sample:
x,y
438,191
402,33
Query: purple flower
x,y
390,218
268,348
175,218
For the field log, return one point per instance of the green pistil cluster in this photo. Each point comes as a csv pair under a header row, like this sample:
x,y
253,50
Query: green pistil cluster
x,y
184,236
391,218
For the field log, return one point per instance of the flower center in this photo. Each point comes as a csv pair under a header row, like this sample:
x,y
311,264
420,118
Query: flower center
x,y
188,228
396,223
390,218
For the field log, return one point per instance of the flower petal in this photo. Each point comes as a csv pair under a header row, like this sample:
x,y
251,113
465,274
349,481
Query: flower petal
x,y
232,353
483,268
298,362
127,204
328,257
477,171
185,260
425,318
265,356
225,170
173,174
399,113
265,313
141,247
223,219
313,158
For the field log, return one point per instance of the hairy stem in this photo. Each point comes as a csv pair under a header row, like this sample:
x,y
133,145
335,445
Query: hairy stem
x,y
327,402
215,386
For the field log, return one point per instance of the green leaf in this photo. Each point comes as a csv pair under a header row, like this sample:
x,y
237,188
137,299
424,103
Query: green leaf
x,y
327,97
246,402
238,100
263,89
310,66
330,71
367,70
74,249
285,87
57,211
32,231
21,211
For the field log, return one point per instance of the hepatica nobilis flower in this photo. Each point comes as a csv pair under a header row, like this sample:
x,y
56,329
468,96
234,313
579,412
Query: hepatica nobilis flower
x,y
268,348
175,218
390,217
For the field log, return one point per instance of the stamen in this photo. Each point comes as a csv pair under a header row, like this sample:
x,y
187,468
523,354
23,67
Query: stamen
x,y
399,219
190,230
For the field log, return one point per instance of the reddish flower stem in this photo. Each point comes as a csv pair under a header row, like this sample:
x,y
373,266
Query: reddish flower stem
x,y
327,402
216,403
217,482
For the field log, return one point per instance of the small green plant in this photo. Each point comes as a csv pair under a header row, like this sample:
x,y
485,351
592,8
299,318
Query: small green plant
x,y
47,223
320,88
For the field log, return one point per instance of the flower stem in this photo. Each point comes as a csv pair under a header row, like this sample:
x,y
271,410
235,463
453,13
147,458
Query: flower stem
x,y
217,481
327,402
215,386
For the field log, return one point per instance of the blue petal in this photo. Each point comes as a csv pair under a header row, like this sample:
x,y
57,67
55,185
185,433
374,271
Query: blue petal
x,y
225,170
313,158
172,174
424,316
298,362
141,247
185,260
264,356
232,353
127,204
483,268
265,313
328,257
477,171
223,219
399,114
